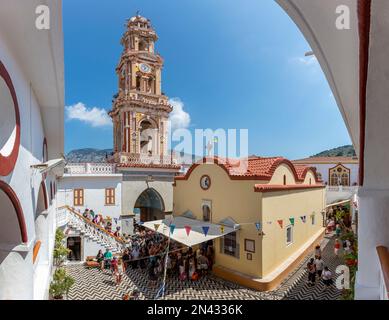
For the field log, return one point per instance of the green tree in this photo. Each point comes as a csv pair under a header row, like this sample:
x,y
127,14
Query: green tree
x,y
61,284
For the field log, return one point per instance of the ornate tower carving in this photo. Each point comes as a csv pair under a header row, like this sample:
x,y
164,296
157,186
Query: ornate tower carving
x,y
140,110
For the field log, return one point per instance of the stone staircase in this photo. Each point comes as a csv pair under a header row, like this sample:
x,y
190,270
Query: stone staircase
x,y
69,218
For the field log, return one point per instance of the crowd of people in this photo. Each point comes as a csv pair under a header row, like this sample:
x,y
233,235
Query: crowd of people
x,y
317,268
337,225
156,254
102,222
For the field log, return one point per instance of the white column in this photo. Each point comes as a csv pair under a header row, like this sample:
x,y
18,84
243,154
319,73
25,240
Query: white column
x,y
373,230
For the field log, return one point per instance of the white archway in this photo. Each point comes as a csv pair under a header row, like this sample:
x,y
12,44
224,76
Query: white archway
x,y
15,267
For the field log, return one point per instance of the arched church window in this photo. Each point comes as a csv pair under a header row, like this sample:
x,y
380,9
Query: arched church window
x,y
334,181
150,85
345,179
143,45
138,82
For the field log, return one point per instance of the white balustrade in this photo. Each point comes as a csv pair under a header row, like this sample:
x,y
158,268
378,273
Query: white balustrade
x,y
351,189
146,159
90,168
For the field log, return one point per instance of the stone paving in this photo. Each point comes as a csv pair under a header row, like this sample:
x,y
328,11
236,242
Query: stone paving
x,y
93,284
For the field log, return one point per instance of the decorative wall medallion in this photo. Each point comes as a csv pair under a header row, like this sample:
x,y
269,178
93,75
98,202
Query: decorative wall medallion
x,y
9,123
205,182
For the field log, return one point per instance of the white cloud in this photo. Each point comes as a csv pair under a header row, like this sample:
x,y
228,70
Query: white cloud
x,y
179,118
96,117
308,61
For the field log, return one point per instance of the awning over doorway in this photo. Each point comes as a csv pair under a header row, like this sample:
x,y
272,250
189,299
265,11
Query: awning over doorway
x,y
196,234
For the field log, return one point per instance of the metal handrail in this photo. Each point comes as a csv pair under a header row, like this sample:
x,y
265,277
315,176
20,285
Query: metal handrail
x,y
92,224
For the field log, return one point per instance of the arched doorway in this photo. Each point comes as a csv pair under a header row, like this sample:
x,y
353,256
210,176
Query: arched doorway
x,y
15,269
74,245
151,205
41,225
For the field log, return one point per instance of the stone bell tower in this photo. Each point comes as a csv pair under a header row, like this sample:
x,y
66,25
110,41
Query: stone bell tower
x,y
140,110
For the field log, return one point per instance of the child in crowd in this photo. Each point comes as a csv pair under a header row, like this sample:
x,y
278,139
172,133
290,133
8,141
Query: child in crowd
x,y
317,251
337,247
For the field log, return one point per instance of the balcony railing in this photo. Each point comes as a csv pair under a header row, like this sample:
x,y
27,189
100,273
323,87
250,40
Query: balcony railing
x,y
90,168
352,189
133,158
383,255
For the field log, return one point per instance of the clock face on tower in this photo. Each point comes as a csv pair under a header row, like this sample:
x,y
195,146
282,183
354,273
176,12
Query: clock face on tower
x,y
205,182
144,68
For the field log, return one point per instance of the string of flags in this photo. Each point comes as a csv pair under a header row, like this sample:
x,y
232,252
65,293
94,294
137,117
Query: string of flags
x,y
258,225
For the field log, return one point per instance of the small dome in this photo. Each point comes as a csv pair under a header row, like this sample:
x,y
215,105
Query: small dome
x,y
139,18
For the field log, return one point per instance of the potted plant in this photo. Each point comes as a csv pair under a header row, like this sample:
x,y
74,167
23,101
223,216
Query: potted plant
x,y
61,284
60,251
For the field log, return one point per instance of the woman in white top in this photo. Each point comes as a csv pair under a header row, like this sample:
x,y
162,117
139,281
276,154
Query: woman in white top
x,y
327,278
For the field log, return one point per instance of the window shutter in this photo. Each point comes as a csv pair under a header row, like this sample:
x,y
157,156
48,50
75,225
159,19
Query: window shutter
x,y
221,240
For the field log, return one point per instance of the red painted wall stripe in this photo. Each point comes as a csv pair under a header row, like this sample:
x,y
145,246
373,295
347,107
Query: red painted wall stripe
x,y
7,164
18,209
364,19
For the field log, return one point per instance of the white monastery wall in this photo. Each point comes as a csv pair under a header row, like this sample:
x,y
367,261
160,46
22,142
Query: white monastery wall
x,y
94,192
26,184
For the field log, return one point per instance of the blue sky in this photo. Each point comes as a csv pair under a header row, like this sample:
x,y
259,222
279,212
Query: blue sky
x,y
232,64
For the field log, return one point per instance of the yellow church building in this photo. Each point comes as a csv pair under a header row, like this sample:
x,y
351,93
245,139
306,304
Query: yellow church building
x,y
274,207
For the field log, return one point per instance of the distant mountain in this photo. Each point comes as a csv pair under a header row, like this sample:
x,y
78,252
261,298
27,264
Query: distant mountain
x,y
344,151
88,155
97,155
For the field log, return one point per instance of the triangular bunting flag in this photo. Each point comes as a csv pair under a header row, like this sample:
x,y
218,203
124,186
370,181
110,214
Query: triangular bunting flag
x,y
156,226
303,218
160,292
258,226
222,229
281,223
172,227
291,221
205,230
187,229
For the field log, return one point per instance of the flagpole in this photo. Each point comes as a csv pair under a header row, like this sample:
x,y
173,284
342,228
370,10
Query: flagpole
x,y
165,267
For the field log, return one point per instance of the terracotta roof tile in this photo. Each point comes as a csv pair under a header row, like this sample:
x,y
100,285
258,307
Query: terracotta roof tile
x,y
275,187
255,168
327,160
